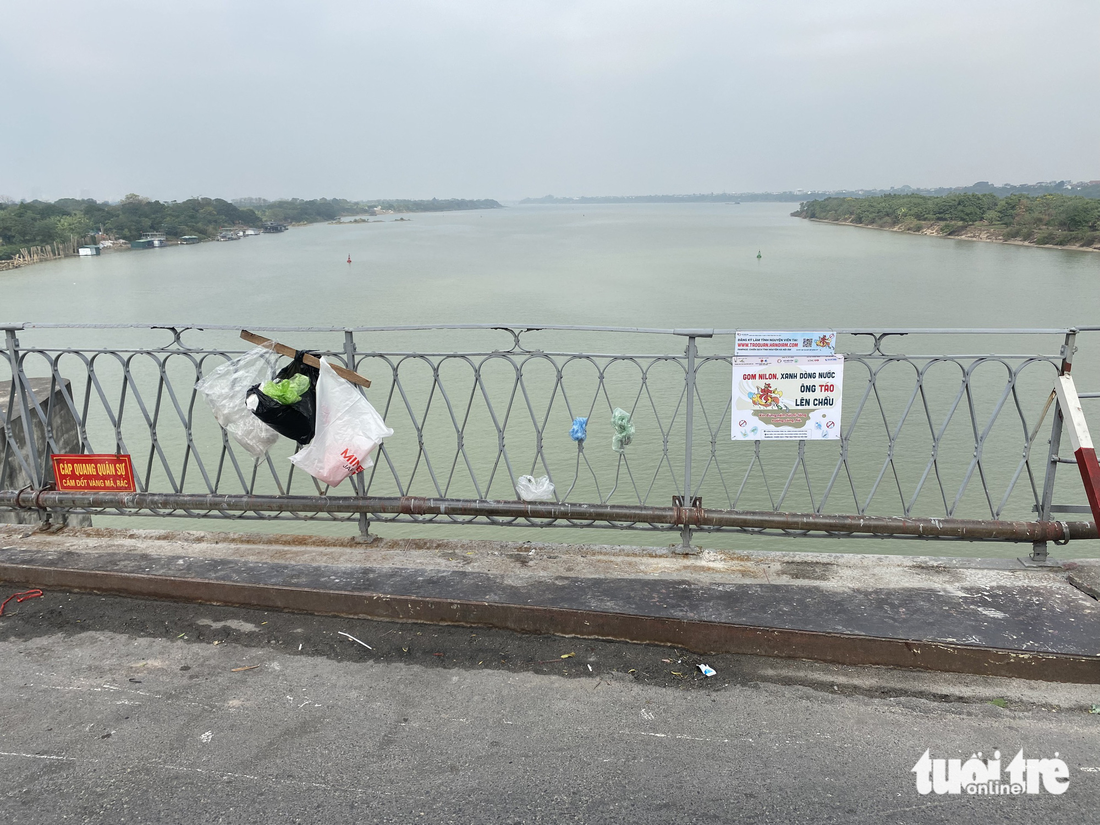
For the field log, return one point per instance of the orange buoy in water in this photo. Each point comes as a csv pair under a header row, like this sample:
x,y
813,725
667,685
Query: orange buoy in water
x,y
349,257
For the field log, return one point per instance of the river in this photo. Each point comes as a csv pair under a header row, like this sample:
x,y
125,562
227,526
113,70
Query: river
x,y
747,266
660,265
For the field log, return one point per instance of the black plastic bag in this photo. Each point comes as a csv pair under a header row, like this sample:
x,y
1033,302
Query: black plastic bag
x,y
296,421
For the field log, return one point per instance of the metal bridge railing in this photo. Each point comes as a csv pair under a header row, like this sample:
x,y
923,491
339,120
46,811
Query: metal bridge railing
x,y
934,443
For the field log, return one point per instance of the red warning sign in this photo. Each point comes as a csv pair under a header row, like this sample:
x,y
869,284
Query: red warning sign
x,y
94,473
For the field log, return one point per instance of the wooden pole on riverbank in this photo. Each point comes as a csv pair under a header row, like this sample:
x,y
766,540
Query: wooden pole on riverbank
x,y
37,254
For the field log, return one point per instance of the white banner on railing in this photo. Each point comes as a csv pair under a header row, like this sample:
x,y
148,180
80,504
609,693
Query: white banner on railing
x,y
787,398
761,343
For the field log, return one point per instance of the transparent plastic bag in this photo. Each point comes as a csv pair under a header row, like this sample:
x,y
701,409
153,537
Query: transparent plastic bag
x,y
530,488
224,390
349,429
624,430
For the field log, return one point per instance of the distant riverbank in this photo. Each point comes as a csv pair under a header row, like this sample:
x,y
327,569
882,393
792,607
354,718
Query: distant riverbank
x,y
968,233
34,231
1052,220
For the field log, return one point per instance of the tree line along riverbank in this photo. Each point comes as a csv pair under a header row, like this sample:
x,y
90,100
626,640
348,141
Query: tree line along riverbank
x,y
1044,220
34,230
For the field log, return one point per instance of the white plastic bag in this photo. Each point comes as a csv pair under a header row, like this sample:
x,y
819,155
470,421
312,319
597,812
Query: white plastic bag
x,y
349,429
225,390
535,489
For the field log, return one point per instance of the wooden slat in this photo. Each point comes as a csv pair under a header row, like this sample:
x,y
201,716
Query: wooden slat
x,y
312,360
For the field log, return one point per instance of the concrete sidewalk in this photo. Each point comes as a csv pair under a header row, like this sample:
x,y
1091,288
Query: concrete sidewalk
x,y
132,711
994,617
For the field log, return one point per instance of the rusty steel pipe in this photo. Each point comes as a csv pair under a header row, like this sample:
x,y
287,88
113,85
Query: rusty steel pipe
x,y
696,516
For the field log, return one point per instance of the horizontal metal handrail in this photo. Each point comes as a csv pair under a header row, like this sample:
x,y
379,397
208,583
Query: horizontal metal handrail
x,y
1013,531
687,332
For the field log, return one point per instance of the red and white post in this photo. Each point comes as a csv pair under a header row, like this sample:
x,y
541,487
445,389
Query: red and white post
x,y
1083,450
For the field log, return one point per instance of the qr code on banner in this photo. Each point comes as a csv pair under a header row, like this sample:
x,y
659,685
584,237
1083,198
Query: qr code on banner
x,y
807,342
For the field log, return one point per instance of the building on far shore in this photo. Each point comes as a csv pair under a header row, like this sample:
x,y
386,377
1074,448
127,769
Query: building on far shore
x,y
157,238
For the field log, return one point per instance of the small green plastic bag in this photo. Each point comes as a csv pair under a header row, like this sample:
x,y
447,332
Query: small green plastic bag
x,y
624,429
287,391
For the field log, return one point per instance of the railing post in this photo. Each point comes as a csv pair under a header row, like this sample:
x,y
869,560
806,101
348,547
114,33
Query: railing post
x,y
689,388
19,381
357,479
1039,548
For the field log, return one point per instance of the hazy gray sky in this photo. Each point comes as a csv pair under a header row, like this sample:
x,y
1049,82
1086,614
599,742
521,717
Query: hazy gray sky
x,y
510,98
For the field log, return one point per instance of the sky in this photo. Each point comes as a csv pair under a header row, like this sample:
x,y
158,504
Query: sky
x,y
513,98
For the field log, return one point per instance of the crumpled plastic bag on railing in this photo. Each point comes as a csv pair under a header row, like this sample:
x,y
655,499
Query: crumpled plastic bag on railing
x,y
530,488
348,430
224,391
579,430
624,430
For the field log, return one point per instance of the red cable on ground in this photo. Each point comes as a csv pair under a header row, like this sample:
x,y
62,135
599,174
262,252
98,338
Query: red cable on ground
x,y
20,597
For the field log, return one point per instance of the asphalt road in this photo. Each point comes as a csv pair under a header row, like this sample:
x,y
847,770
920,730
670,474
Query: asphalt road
x,y
128,711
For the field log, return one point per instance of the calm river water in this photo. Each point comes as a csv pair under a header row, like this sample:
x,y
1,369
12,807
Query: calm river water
x,y
684,265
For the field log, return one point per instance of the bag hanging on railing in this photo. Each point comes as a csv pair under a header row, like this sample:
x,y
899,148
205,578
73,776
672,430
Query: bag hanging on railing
x,y
349,429
624,430
296,421
530,488
225,389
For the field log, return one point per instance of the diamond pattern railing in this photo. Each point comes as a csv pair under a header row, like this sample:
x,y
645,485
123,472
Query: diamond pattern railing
x,y
916,440
923,435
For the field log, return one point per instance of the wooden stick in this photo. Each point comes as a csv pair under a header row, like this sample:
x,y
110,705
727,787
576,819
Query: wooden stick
x,y
312,360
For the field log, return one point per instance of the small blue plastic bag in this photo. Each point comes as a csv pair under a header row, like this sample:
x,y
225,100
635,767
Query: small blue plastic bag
x,y
579,430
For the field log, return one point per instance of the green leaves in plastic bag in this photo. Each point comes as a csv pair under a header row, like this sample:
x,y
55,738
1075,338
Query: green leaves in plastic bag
x,y
287,391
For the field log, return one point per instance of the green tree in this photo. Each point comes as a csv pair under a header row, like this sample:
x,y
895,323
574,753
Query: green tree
x,y
73,226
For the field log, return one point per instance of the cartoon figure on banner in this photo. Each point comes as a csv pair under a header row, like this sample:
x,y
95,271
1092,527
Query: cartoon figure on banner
x,y
825,341
766,396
